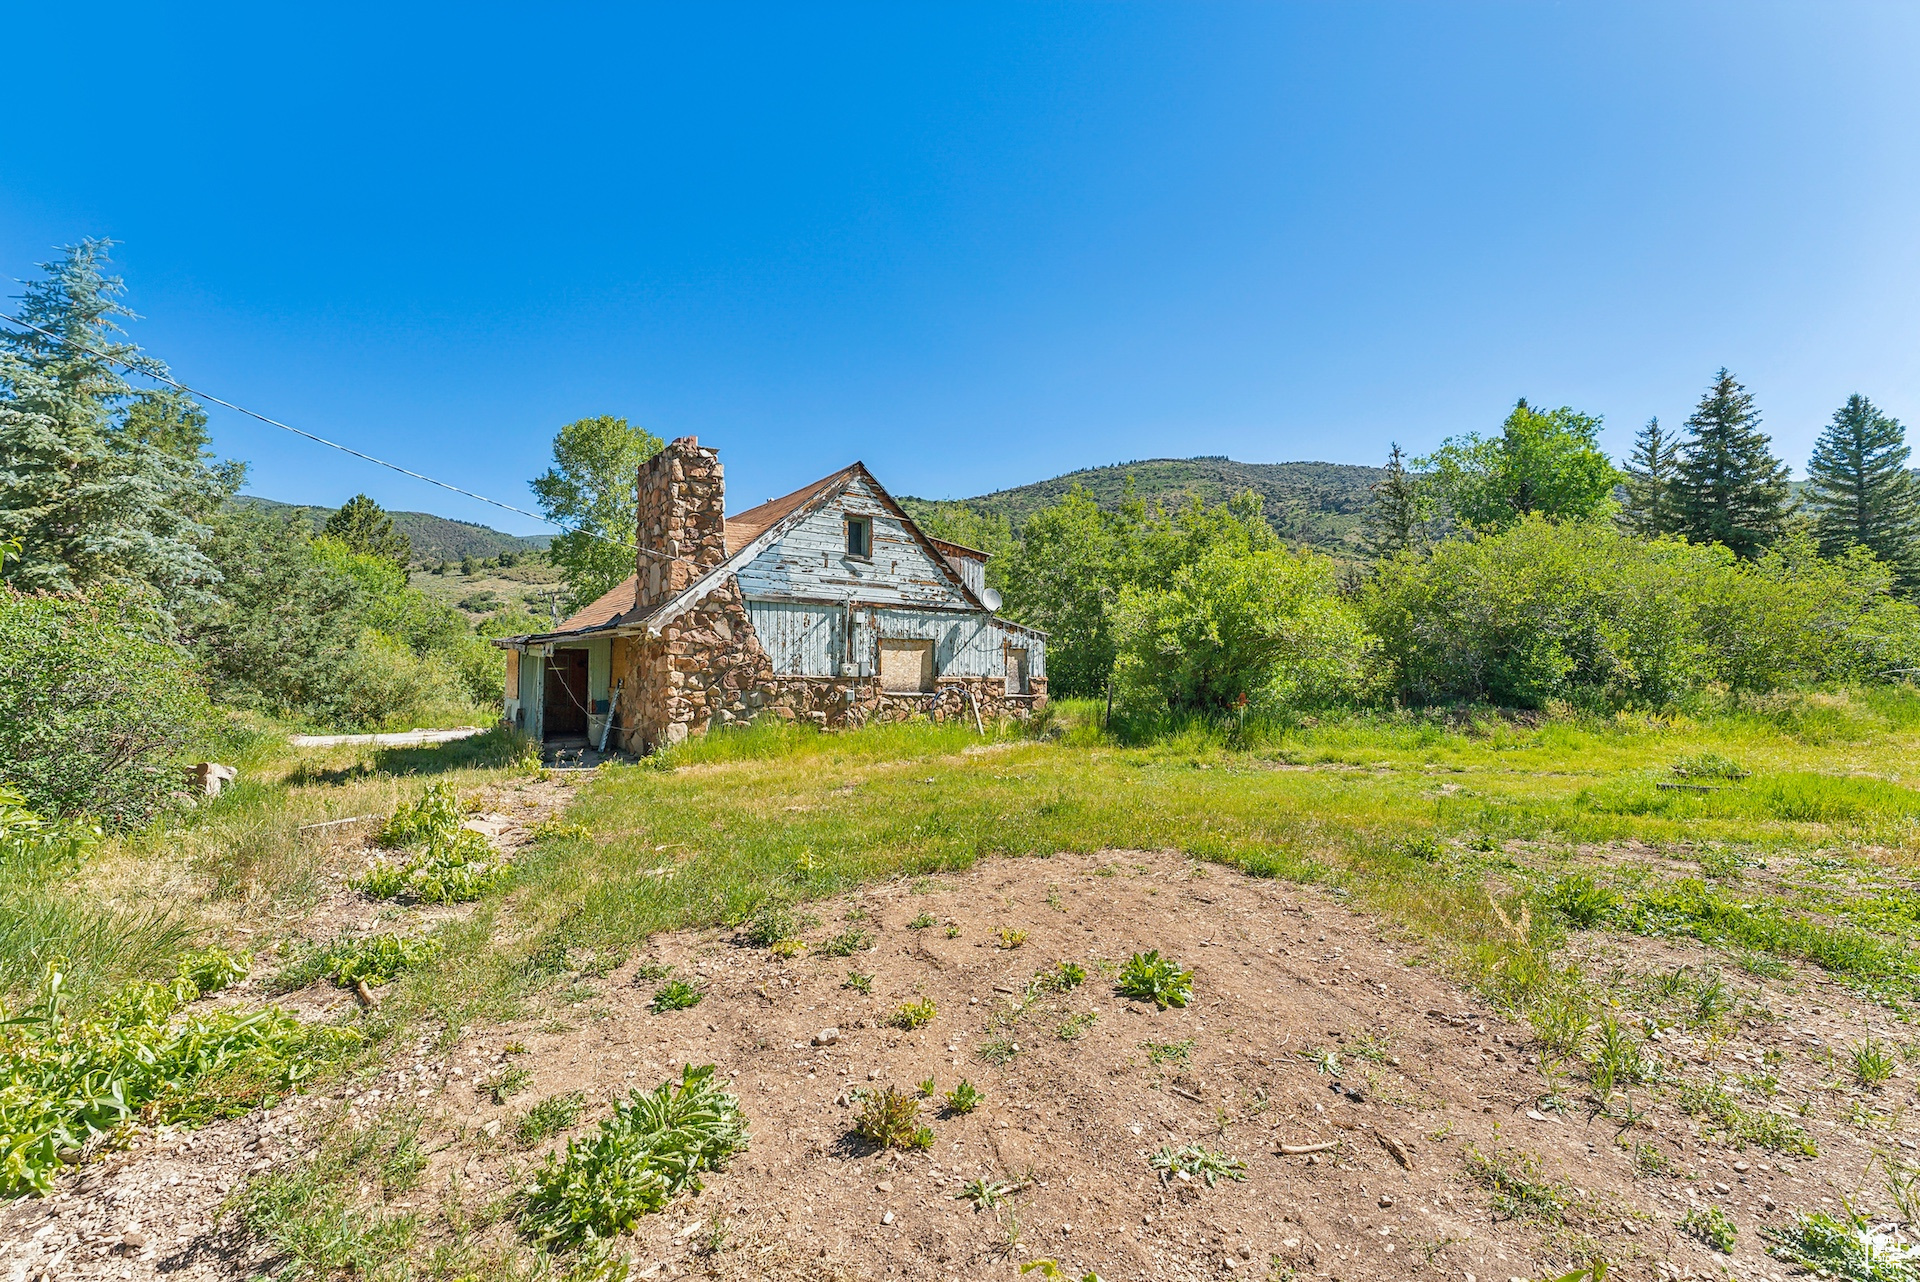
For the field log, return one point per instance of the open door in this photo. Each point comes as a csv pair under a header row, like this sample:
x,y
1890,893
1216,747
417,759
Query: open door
x,y
566,695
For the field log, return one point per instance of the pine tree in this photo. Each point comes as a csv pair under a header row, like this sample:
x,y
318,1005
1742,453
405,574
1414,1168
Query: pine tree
x,y
1652,474
1859,489
1399,515
1731,490
364,526
92,496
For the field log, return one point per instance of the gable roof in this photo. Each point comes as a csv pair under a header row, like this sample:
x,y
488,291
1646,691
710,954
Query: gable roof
x,y
755,521
747,535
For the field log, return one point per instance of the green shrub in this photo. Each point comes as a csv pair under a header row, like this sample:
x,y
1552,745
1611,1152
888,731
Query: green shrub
x,y
99,714
436,814
1149,977
144,1053
655,1146
211,969
347,961
1268,627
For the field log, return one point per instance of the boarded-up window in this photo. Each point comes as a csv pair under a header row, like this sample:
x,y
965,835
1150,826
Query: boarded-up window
x,y
906,665
513,674
1016,670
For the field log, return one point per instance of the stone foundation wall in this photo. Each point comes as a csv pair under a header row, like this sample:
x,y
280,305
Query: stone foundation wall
x,y
707,669
838,703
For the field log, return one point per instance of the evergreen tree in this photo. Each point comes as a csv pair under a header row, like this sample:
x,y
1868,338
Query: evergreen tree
x,y
365,527
1731,490
1860,491
95,492
1399,515
1652,474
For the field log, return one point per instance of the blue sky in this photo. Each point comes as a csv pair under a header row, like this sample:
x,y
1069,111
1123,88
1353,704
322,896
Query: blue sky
x,y
976,246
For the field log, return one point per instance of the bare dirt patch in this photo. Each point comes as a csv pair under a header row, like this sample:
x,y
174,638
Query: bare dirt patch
x,y
1310,1028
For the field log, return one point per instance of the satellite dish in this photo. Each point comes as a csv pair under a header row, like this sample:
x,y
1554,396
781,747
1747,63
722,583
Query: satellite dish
x,y
990,598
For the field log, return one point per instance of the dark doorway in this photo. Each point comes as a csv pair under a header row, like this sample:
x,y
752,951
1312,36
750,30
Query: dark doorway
x,y
566,696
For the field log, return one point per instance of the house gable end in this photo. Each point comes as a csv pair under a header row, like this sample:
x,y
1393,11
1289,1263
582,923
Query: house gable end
x,y
809,559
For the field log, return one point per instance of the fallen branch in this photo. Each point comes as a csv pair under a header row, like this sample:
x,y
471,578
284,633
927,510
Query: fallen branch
x,y
1184,1095
335,823
1295,1150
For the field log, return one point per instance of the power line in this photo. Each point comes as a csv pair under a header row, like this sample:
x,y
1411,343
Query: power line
x,y
135,368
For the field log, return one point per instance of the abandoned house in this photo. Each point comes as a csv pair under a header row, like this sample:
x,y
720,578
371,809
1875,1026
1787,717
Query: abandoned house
x,y
829,605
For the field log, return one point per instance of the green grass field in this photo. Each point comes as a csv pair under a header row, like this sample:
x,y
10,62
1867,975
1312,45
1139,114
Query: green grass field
x,y
1780,830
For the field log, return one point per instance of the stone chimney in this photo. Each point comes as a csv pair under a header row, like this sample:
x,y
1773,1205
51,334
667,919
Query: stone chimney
x,y
682,517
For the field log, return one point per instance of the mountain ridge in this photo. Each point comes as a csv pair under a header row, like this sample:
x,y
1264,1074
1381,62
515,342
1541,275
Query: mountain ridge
x,y
1313,503
435,538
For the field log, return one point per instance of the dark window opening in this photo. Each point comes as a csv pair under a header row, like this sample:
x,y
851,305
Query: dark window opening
x,y
860,536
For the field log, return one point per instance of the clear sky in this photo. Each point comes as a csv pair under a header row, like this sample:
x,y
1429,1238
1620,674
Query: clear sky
x,y
976,245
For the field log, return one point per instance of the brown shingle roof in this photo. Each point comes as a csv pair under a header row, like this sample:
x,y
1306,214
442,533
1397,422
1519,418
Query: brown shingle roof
x,y
755,521
603,609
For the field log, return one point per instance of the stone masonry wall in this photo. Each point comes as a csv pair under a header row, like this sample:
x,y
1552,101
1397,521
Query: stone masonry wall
x,y
682,515
706,668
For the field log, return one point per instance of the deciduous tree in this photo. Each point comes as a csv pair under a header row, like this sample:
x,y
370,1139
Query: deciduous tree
x,y
590,491
1546,462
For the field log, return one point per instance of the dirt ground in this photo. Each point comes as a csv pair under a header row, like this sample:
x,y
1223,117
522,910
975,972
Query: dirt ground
x,y
1422,1080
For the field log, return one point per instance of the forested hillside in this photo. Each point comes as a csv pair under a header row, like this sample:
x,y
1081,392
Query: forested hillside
x,y
1318,504
434,538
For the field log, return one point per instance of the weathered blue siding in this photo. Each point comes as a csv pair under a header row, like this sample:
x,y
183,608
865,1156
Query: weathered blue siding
x,y
807,639
811,560
802,639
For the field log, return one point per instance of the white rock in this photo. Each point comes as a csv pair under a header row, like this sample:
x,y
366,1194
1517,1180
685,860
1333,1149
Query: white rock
x,y
826,1037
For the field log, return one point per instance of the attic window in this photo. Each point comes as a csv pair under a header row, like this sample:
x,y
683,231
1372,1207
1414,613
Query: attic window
x,y
860,536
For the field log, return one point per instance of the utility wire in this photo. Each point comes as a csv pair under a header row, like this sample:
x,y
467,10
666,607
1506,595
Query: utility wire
x,y
136,368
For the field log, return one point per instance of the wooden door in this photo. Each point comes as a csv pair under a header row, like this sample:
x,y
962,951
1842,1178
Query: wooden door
x,y
566,695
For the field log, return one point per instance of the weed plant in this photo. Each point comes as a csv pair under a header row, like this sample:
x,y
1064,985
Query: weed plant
x,y
914,1015
985,1193
147,1053
1711,1225
655,1146
675,994
1192,1160
508,1082
549,1117
308,1218
847,943
1149,977
963,1098
890,1118
1844,1246
349,960
1519,1187
1169,1052
859,983
1871,1063
1010,937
